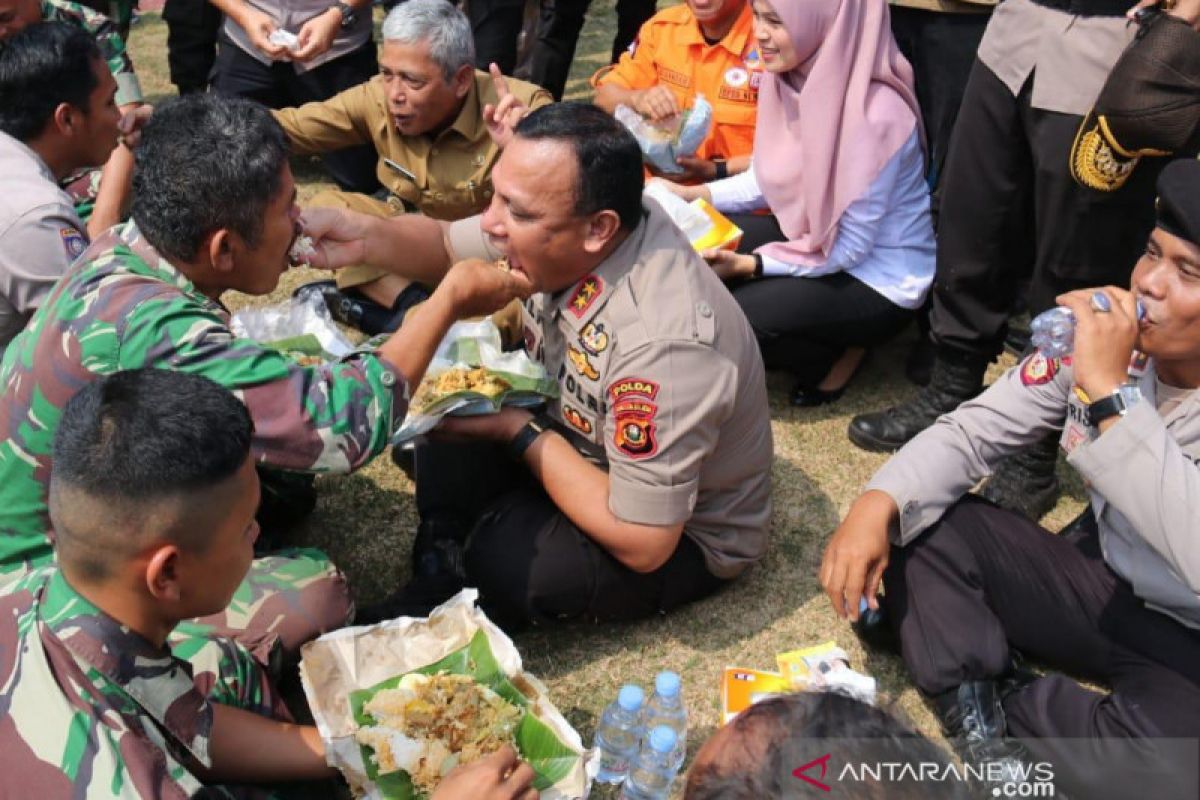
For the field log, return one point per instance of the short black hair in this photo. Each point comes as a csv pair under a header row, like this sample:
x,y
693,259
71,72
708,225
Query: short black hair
x,y
132,438
793,729
610,162
206,162
42,67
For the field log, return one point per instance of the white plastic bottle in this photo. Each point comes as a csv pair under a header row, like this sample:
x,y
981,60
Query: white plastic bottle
x,y
666,708
619,734
653,772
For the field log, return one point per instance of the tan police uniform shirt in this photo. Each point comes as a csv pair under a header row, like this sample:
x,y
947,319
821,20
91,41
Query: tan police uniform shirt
x,y
1068,55
451,172
40,235
658,366
1142,474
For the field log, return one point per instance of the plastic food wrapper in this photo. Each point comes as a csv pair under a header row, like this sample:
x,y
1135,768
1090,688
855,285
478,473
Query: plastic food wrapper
x,y
471,375
300,327
703,225
281,38
341,670
825,668
742,687
662,144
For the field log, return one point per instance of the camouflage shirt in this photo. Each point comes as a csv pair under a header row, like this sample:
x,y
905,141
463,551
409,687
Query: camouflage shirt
x,y
122,306
89,707
112,47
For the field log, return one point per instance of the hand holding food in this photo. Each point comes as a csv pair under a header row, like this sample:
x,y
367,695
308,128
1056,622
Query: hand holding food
x,y
500,776
476,287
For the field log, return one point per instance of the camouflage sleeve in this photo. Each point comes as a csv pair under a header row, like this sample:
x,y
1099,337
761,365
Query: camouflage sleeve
x,y
329,418
108,39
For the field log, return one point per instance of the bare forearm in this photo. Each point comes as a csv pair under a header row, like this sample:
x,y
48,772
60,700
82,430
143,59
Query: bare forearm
x,y
580,490
412,246
113,197
248,748
410,349
609,97
738,164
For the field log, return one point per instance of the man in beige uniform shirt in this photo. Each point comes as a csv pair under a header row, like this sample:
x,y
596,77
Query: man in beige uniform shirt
x,y
648,481
1115,598
431,117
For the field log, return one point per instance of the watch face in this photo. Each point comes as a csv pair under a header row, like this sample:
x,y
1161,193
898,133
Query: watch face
x,y
1130,394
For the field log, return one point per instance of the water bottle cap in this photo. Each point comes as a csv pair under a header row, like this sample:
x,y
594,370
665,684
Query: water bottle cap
x,y
667,683
630,697
662,739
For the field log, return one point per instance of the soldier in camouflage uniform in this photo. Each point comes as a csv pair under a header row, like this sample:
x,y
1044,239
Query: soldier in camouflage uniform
x,y
216,170
153,495
85,187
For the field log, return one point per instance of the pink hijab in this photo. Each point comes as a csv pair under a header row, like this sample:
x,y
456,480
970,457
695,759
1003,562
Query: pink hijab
x,y
827,128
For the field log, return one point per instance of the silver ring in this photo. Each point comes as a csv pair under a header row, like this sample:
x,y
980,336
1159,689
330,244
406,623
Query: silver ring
x,y
1100,303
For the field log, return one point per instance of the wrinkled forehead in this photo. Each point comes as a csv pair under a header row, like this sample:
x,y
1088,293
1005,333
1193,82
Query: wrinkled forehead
x,y
541,171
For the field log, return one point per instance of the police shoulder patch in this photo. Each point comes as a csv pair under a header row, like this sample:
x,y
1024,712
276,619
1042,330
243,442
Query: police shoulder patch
x,y
635,432
1037,370
73,242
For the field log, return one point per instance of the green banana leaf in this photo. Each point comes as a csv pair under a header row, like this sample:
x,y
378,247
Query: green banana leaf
x,y
536,742
305,343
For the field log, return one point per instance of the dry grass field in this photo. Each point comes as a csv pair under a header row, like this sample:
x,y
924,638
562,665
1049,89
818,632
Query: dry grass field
x,y
365,521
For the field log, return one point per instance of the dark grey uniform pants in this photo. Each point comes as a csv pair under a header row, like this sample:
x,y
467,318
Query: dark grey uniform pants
x,y
531,564
1011,211
984,580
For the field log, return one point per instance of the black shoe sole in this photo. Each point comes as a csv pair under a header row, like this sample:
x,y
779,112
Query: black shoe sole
x,y
868,442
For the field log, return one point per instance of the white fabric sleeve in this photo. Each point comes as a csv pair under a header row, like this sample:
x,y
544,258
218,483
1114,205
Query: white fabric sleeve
x,y
737,194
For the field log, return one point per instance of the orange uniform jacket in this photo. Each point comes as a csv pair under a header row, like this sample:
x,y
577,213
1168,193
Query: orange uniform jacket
x,y
670,50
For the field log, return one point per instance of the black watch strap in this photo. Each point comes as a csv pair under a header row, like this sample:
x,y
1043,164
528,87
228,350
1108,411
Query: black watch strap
x,y
722,168
348,14
525,437
758,265
1112,406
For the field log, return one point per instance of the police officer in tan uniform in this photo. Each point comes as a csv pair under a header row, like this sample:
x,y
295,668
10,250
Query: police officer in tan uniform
x,y
431,117
646,484
1116,597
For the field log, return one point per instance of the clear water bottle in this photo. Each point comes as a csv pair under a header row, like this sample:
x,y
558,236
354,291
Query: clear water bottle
x,y
619,734
1053,332
666,708
653,771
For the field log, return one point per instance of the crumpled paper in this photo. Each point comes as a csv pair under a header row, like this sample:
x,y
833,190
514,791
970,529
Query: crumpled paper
x,y
346,660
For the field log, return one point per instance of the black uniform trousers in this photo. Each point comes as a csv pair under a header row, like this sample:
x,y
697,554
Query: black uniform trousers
x,y
192,27
985,580
278,85
804,325
558,33
1012,211
531,564
495,26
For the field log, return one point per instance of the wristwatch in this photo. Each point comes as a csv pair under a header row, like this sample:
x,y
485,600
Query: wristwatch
x,y
1116,404
721,167
525,437
348,15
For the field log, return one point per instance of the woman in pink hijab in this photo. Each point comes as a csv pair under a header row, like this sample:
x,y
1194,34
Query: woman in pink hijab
x,y
847,253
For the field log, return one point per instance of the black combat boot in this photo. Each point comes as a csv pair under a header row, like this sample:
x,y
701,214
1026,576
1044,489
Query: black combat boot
x,y
956,377
1025,482
973,720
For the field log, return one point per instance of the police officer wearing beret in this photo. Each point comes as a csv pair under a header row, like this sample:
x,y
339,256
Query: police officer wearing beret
x,y
1116,597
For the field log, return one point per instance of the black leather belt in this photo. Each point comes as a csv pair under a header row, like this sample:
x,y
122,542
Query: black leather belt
x,y
1089,8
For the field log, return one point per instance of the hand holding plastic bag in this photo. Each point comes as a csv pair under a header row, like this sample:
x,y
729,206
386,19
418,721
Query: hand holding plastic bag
x,y
662,145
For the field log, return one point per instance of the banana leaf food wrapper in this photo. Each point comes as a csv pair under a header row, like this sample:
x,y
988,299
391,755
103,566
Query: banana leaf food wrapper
x,y
401,703
471,375
300,327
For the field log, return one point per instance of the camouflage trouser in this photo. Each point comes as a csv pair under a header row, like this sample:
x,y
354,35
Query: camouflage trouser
x,y
287,598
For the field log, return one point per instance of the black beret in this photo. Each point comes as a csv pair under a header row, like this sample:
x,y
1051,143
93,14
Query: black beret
x,y
1179,199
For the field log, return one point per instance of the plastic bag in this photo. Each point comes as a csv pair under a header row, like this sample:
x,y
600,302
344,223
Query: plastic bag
x,y
703,225
299,326
662,144
483,376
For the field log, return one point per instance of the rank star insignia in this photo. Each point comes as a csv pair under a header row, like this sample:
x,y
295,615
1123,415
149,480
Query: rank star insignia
x,y
580,361
1038,370
585,294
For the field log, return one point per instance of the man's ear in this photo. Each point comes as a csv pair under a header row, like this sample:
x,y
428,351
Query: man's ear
x,y
67,119
602,227
219,246
463,80
162,573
